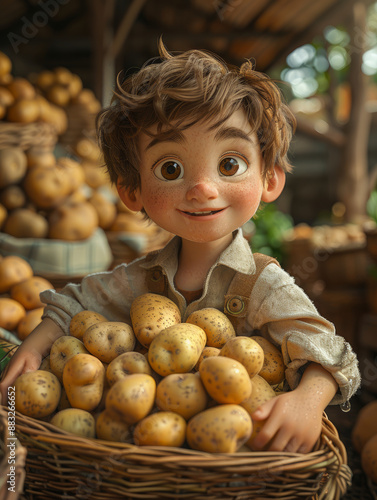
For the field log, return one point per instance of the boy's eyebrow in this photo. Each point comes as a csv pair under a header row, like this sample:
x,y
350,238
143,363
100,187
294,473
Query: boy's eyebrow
x,y
232,133
172,136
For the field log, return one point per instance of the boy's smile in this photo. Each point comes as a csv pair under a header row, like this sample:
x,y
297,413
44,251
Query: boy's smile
x,y
201,183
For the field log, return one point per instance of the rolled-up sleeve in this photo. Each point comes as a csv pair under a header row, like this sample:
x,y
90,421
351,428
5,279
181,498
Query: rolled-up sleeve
x,y
108,293
285,315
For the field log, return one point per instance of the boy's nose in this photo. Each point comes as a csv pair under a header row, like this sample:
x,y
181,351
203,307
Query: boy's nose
x,y
202,191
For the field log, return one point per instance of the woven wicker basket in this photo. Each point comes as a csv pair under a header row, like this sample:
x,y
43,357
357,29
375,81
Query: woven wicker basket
x,y
123,253
28,135
61,465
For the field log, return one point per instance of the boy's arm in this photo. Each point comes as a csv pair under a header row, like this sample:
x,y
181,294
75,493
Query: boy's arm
x,y
29,355
294,419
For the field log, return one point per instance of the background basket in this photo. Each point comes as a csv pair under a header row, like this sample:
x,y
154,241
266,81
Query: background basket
x,y
123,251
61,465
25,136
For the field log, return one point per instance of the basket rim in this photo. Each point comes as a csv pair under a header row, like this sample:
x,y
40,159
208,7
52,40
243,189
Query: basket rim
x,y
325,468
49,433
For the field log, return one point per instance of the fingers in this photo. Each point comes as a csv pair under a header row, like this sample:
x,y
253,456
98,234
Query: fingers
x,y
264,410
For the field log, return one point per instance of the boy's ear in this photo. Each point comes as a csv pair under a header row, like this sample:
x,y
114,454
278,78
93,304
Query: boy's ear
x,y
274,185
132,199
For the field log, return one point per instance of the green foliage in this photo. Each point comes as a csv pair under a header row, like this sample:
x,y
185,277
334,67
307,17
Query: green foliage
x,y
270,226
372,206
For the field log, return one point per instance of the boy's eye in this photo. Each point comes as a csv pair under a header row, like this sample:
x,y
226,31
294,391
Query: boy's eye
x,y
232,166
170,170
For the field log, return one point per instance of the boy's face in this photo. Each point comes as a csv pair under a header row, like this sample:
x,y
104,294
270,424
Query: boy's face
x,y
202,185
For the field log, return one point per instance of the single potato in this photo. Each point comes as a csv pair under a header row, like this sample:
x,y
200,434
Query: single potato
x,y
29,322
176,349
207,352
133,397
150,314
111,426
247,351
164,428
226,380
11,313
13,270
27,292
83,380
108,339
37,393
369,458
261,391
82,321
182,393
273,369
221,429
62,350
126,364
365,425
76,421
215,323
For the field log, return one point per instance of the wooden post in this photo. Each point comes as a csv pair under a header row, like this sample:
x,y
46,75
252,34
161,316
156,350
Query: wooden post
x,y
352,176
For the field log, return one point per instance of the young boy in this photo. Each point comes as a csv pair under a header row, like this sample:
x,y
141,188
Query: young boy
x,y
197,146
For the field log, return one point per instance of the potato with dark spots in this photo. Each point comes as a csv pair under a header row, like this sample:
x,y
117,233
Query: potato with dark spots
x,y
207,352
176,349
215,323
273,369
182,393
108,339
261,391
221,429
132,398
226,380
127,364
152,313
84,380
82,321
76,421
37,393
247,351
111,426
62,350
163,428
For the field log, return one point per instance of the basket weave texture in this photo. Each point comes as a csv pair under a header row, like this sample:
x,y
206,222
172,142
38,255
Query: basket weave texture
x,y
25,136
62,465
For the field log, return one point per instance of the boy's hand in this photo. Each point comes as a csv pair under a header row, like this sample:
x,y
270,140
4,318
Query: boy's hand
x,y
293,424
294,419
22,361
29,355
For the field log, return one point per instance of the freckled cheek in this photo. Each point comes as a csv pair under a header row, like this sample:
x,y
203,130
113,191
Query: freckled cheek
x,y
158,199
245,195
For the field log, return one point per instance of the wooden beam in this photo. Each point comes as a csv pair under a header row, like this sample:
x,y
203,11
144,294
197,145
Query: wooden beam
x,y
321,130
125,27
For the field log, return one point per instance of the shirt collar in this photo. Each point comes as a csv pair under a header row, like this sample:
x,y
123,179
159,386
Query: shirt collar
x,y
236,256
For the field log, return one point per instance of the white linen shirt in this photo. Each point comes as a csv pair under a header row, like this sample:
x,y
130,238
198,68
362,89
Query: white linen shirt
x,y
278,308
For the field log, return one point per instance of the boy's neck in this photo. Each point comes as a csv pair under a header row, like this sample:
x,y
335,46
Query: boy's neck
x,y
195,260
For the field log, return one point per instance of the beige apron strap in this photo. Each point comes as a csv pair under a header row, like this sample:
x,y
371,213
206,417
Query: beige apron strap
x,y
238,295
157,281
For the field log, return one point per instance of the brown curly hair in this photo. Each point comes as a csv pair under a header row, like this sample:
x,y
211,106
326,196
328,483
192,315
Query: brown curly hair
x,y
176,91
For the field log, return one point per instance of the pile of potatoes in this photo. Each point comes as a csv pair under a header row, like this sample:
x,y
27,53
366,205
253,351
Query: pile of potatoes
x,y
42,196
157,381
20,101
20,306
364,439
